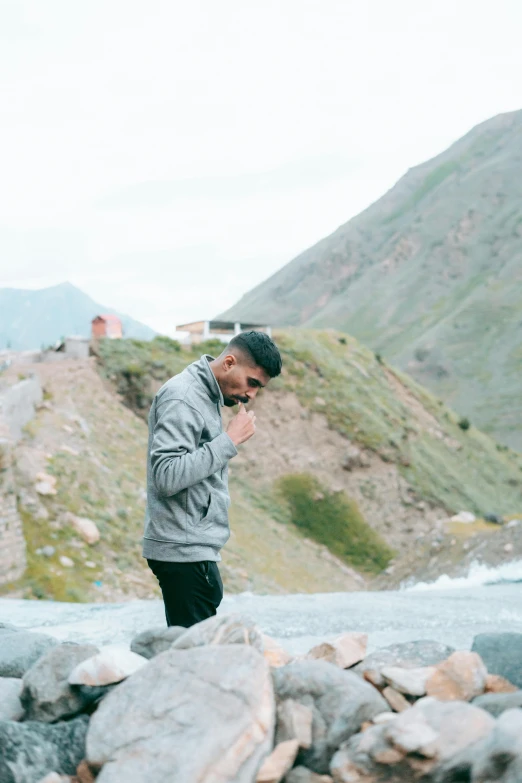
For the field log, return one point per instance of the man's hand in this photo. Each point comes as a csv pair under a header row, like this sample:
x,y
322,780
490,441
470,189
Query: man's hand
x,y
242,426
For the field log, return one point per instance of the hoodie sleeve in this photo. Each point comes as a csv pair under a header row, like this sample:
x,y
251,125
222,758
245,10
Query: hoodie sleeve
x,y
177,462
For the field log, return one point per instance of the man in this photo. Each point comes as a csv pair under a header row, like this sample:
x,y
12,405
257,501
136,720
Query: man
x,y
186,522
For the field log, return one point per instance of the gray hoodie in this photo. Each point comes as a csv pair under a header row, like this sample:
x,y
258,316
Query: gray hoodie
x,y
187,469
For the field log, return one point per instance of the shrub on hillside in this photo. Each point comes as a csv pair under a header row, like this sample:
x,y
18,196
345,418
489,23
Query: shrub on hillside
x,y
464,423
334,519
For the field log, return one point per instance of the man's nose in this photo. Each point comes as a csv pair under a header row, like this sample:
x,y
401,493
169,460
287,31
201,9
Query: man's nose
x,y
251,393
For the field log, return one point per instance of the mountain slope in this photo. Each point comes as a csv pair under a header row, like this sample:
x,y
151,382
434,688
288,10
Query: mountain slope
x,y
30,319
430,275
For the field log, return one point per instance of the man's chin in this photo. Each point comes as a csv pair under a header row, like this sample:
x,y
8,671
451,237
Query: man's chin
x,y
229,402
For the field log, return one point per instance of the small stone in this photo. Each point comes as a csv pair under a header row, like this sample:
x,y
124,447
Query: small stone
x,y
396,700
54,777
294,721
48,550
412,734
278,763
44,488
375,678
497,684
502,654
90,564
19,650
154,641
513,523
305,775
384,717
461,677
410,681
497,703
86,528
223,629
344,651
109,666
388,756
66,561
508,548
465,517
46,477
84,774
274,653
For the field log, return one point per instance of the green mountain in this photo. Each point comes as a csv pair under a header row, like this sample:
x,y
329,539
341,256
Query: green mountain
x,y
30,319
430,276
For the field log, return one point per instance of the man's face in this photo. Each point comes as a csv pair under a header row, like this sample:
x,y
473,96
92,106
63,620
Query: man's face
x,y
240,381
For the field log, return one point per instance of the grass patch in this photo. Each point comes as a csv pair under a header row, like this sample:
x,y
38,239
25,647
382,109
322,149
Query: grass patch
x,y
334,519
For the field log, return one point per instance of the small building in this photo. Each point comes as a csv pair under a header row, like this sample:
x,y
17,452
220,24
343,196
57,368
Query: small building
x,y
107,326
199,331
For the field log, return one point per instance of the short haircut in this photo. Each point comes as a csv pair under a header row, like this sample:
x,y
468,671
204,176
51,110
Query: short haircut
x,y
261,349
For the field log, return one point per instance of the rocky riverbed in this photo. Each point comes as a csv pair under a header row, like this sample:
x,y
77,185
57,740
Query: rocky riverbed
x,y
225,702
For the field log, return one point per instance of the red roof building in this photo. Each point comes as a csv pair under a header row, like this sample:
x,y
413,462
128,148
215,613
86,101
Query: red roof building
x,y
107,326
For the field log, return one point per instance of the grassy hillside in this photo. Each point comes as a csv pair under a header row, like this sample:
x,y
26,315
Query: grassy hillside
x,y
445,463
429,276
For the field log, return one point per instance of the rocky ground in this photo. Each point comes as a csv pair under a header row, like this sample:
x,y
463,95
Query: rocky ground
x,y
223,702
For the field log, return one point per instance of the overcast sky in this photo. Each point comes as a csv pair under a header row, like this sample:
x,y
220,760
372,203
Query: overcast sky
x,y
166,156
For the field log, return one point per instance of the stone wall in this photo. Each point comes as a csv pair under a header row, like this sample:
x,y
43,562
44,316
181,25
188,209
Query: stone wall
x,y
17,405
12,542
17,408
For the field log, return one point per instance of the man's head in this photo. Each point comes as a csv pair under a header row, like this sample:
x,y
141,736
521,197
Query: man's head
x,y
245,366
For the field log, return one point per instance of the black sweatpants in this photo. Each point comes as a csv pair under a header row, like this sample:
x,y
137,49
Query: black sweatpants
x,y
191,591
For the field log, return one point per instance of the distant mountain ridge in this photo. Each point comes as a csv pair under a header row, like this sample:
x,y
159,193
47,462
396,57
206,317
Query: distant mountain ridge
x,y
430,276
32,319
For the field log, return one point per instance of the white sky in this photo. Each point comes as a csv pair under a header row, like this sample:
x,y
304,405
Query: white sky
x,y
166,156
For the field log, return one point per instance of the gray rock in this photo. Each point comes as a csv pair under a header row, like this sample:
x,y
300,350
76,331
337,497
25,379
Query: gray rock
x,y
10,704
199,714
409,655
502,654
497,703
340,701
304,775
29,751
47,695
222,629
499,757
20,650
154,641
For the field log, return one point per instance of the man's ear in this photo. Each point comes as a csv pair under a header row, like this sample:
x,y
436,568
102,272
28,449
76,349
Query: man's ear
x,y
229,362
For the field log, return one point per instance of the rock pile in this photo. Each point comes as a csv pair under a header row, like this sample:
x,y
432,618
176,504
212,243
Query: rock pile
x,y
223,703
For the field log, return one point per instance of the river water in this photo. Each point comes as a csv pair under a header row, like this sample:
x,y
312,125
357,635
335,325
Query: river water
x,y
452,615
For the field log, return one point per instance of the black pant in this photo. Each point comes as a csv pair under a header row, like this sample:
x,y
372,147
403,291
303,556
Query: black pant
x,y
191,591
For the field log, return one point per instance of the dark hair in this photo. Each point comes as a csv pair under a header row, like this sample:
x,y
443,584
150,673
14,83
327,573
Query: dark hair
x,y
261,349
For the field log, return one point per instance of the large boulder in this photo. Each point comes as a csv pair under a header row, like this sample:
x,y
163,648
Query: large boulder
x,y
200,714
408,655
29,751
20,650
154,641
502,654
10,704
340,702
221,629
47,695
497,703
419,744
